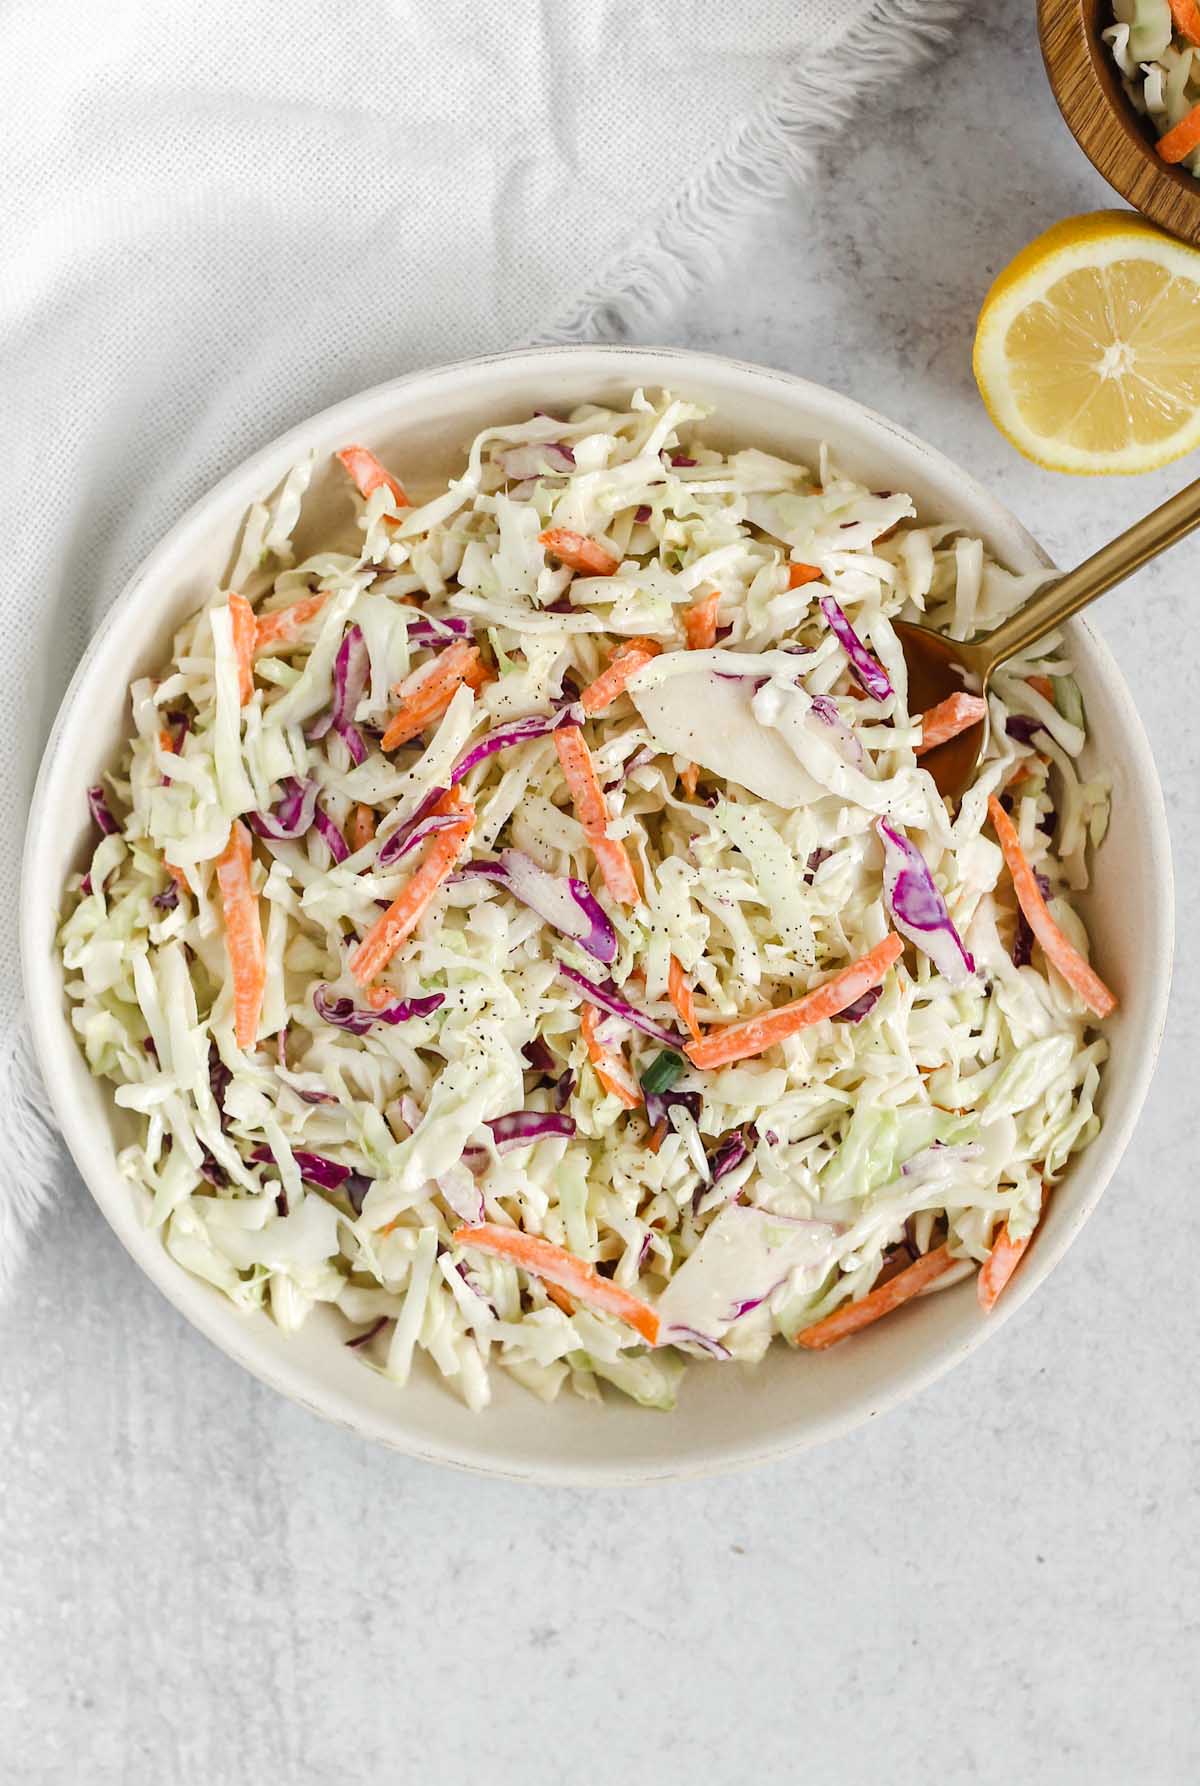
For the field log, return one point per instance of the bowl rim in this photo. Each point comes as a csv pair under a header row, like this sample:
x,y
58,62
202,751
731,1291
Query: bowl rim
x,y
219,1321
1121,151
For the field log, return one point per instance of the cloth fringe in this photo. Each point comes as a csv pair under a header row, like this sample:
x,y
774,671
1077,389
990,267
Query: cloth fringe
x,y
775,147
33,1150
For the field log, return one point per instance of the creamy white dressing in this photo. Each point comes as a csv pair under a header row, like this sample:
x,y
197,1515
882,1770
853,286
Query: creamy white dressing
x,y
746,1256
711,722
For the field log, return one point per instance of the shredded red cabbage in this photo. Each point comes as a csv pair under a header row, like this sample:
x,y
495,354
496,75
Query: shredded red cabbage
x,y
210,1170
566,903
326,1174
752,1302
343,1013
292,814
607,998
338,848
917,907
826,711
1023,727
520,1128
543,1062
351,670
167,900
564,1087
402,839
98,807
519,732
868,671
693,1337
862,1007
660,1103
638,760
539,1056
536,458
219,1080
368,1333
429,632
729,1152
816,857
641,514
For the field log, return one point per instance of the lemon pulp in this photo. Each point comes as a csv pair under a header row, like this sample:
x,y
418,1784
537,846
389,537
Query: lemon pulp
x,y
1087,352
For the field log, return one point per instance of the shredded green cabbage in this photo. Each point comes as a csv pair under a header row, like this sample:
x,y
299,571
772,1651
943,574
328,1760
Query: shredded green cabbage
x,y
937,1116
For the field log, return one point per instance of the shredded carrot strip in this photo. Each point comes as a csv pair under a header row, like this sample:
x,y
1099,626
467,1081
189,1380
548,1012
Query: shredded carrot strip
x,y
587,797
799,574
379,996
1064,955
608,1067
165,741
1026,769
616,869
689,778
558,1296
657,1135
854,1316
957,713
1186,16
284,625
243,934
627,660
579,771
425,699
362,826
242,622
1179,143
579,552
369,475
680,995
553,1264
406,910
700,622
738,1041
1000,1264
1041,685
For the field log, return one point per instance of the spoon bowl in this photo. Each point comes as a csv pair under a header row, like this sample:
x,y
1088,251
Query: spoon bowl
x,y
939,666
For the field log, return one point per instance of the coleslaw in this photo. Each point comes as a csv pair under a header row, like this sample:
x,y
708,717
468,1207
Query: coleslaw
x,y
525,923
1156,47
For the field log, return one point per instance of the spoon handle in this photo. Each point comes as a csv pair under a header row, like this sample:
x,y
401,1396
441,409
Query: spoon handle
x,y
1113,562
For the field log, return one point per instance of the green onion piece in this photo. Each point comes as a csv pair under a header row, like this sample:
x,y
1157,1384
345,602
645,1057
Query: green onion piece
x,y
663,1071
1068,699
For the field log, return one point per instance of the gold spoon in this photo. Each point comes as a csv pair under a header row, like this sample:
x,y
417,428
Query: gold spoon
x,y
938,666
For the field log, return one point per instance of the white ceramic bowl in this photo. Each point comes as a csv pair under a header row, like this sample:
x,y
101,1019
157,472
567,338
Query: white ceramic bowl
x,y
727,1416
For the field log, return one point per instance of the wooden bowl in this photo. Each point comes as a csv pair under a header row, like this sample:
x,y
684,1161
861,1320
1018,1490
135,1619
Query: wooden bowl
x,y
1115,138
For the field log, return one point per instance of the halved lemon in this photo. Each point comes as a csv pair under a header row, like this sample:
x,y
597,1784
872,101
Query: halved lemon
x,y
1087,352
